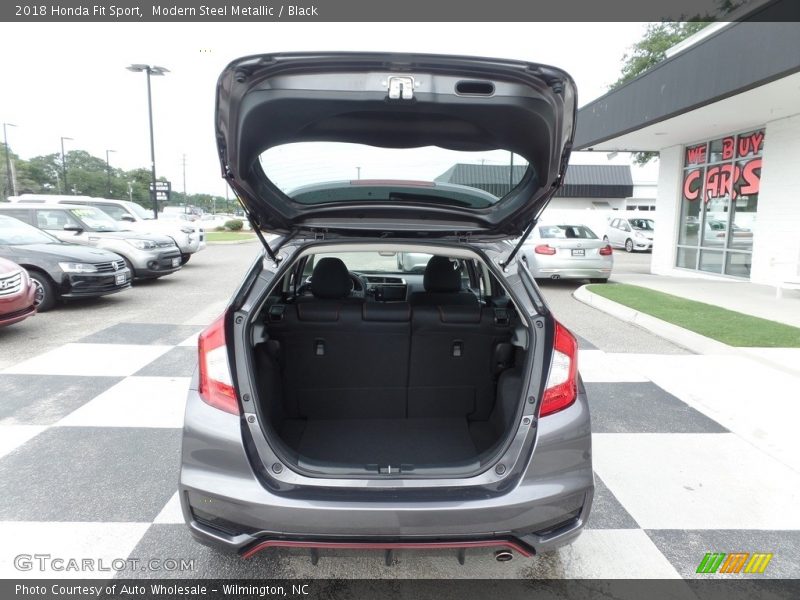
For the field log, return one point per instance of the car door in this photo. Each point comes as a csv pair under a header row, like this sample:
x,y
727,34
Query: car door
x,y
54,220
613,233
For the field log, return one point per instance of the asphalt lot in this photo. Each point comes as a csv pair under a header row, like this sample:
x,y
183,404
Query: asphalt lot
x,y
92,408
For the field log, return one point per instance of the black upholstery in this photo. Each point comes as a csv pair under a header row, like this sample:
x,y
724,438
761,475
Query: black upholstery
x,y
441,275
345,361
451,369
442,282
330,279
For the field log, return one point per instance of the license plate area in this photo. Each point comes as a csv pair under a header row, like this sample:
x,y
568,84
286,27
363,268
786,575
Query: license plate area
x,y
578,252
119,278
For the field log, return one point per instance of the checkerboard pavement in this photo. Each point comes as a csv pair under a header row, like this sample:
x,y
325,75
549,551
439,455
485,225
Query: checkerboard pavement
x,y
692,454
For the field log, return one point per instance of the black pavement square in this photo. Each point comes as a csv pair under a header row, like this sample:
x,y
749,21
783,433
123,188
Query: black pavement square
x,y
181,361
45,399
141,333
91,474
643,407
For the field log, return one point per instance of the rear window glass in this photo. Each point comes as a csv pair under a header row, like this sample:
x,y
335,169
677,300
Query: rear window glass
x,y
326,172
566,232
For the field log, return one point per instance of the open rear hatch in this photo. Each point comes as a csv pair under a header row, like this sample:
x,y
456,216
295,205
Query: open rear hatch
x,y
277,108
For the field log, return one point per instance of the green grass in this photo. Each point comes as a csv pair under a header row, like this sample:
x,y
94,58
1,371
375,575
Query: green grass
x,y
726,326
228,236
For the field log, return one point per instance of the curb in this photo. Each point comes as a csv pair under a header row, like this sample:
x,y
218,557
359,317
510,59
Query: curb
x,y
690,340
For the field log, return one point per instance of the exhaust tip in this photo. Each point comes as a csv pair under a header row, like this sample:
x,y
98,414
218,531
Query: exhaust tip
x,y
503,556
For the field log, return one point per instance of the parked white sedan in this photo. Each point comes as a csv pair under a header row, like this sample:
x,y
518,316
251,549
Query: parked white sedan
x,y
567,252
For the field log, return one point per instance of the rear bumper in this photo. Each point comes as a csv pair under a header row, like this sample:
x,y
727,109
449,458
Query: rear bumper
x,y
572,273
225,505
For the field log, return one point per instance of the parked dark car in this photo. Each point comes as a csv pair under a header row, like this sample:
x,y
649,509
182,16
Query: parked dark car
x,y
16,293
343,401
58,270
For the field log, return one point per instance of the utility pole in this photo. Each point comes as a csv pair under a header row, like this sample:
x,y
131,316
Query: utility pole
x,y
185,197
64,164
10,183
108,175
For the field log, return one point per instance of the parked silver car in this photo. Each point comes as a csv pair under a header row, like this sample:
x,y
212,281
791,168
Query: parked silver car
x,y
147,255
568,252
631,233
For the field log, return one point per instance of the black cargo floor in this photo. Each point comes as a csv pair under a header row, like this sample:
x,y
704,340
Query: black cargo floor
x,y
381,441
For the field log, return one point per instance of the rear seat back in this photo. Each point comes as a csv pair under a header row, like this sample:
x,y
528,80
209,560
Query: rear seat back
x,y
344,360
452,368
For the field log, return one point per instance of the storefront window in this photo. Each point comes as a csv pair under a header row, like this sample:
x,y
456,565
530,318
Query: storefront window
x,y
721,180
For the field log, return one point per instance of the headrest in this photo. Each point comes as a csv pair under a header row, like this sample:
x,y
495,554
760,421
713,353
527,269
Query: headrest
x,y
441,275
330,279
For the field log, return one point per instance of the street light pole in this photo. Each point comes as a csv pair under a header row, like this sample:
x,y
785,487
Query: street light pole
x,y
108,174
64,164
9,181
151,70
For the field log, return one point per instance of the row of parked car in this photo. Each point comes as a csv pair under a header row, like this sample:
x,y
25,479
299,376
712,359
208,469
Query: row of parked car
x,y
63,247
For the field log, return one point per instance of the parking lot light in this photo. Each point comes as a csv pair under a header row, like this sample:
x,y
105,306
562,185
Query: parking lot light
x,y
150,70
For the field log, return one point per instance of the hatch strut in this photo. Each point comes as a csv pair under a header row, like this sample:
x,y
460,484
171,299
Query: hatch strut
x,y
253,225
257,229
525,235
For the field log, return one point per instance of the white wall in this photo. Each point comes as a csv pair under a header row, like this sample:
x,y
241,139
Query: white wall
x,y
667,211
583,203
776,235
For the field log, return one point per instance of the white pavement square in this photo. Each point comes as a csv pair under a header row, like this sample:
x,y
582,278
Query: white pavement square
x,y
598,366
171,513
102,542
697,481
13,436
90,359
135,402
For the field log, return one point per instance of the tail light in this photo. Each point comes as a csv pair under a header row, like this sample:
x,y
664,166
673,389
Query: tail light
x,y
544,249
562,382
605,250
216,384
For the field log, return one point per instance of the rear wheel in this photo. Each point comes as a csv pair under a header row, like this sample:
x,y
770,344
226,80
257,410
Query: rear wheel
x,y
44,297
629,245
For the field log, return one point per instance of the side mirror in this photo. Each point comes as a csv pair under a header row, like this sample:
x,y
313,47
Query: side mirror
x,y
127,218
76,228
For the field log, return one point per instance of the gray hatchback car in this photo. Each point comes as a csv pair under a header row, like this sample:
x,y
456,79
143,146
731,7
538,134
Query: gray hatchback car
x,y
344,401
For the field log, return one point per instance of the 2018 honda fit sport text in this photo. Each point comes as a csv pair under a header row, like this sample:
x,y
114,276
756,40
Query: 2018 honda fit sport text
x,y
347,398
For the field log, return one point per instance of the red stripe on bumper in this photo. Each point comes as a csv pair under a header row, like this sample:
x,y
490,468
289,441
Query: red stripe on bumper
x,y
263,545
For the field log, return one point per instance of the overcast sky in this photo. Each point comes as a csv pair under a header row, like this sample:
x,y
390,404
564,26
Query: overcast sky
x,y
69,79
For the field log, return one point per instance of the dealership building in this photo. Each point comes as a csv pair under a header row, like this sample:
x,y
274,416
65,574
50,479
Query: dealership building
x,y
723,111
